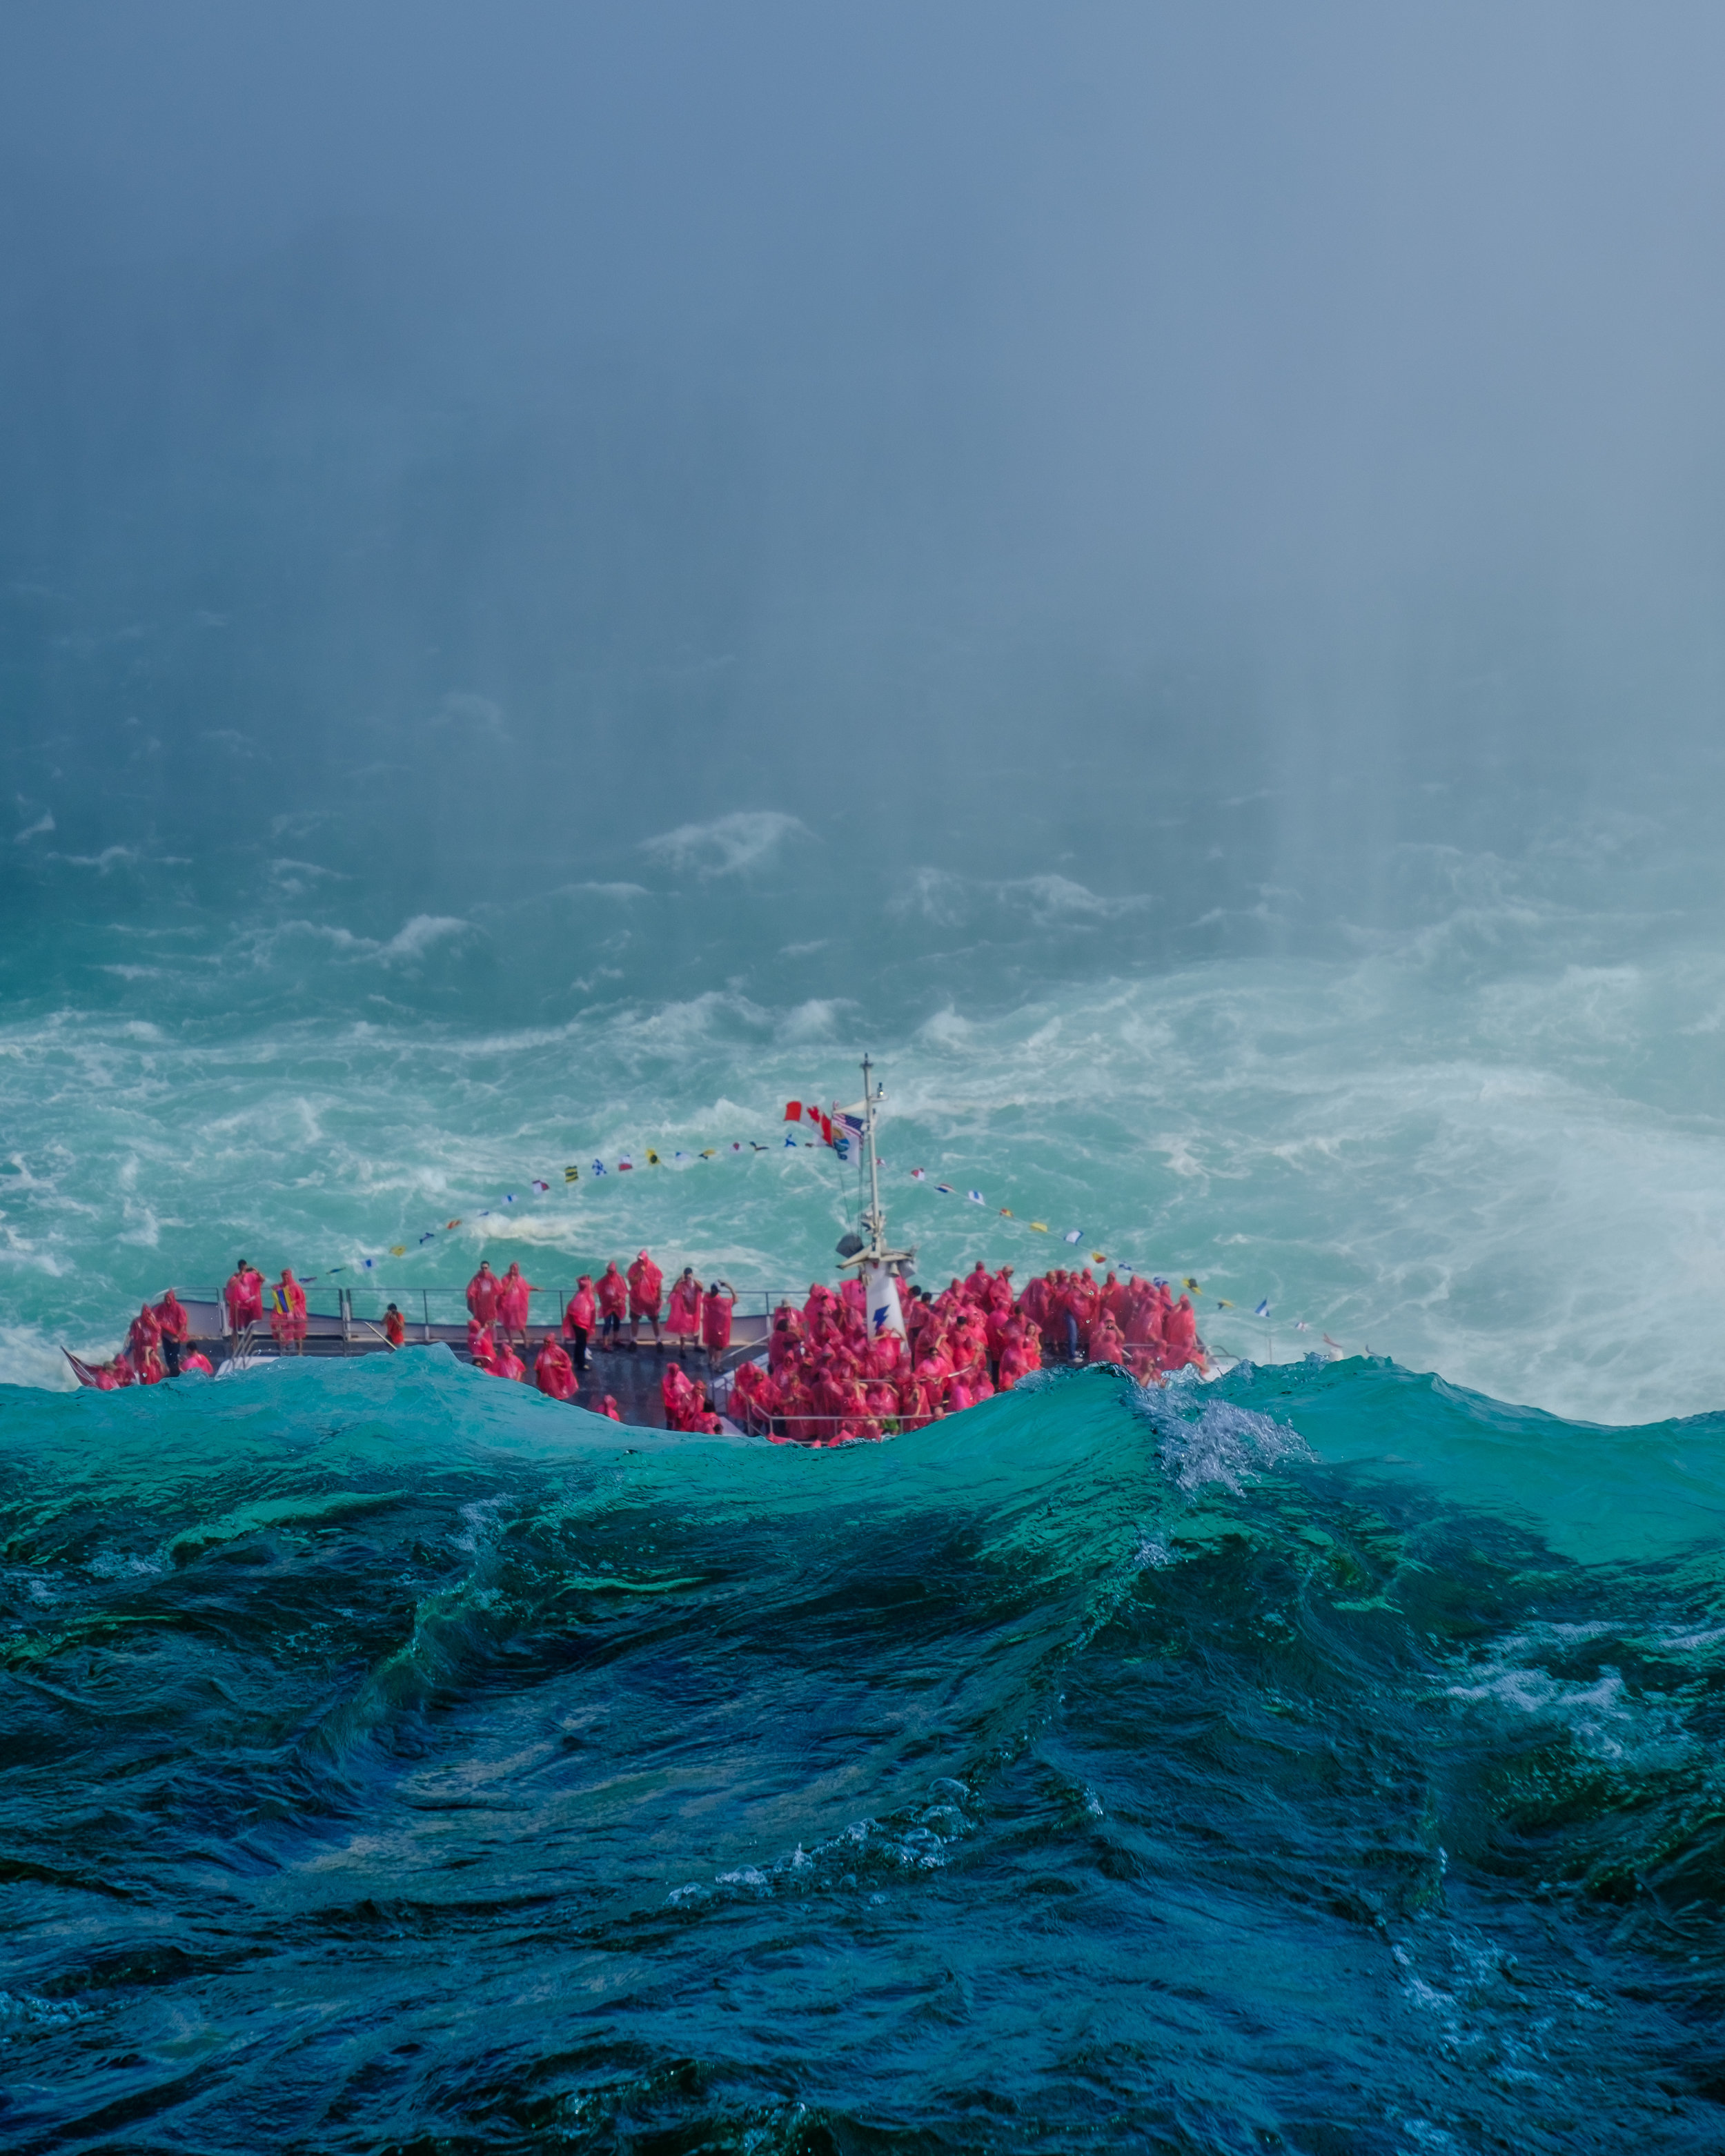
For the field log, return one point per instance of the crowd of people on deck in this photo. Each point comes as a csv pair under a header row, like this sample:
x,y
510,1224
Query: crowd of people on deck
x,y
826,1379
158,1345
594,1317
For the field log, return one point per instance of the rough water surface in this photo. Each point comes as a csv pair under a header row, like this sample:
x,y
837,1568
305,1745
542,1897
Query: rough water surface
x,y
1325,1761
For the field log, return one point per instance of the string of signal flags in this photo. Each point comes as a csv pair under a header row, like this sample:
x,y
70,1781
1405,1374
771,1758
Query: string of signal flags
x,y
837,1131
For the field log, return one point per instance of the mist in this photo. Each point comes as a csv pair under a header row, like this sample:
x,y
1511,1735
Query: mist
x,y
1105,483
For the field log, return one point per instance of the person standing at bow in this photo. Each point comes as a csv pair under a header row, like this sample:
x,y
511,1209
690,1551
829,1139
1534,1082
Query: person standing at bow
x,y
613,1301
143,1343
578,1320
244,1295
482,1293
683,1317
512,1305
715,1321
646,1288
287,1313
175,1326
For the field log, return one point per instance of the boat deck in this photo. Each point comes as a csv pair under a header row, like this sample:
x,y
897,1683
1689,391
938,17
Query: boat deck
x,y
630,1375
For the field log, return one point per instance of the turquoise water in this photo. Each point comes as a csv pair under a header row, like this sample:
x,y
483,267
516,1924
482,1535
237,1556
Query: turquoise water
x,y
1325,1760
1486,1143
1157,571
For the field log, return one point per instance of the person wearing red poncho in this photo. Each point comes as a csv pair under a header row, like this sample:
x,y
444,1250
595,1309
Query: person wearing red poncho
x,y
553,1372
715,1320
287,1313
243,1296
1180,1335
646,1289
482,1293
682,1400
682,1317
578,1320
1107,1343
141,1341
507,1363
512,1304
195,1359
174,1326
613,1301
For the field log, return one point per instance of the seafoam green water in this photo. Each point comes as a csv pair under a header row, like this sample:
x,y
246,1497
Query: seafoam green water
x,y
1327,1759
564,573
1486,1144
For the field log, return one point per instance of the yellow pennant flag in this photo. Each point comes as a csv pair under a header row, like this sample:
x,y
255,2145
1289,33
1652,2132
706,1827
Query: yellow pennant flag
x,y
653,1160
397,1249
1040,1226
1222,1303
1099,1257
1006,1211
1192,1285
707,1153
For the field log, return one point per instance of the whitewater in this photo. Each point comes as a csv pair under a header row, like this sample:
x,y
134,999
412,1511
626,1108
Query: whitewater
x,y
568,574
1323,1758
1486,1144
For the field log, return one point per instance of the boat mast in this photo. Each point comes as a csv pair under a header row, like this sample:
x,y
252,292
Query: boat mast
x,y
877,1227
869,1251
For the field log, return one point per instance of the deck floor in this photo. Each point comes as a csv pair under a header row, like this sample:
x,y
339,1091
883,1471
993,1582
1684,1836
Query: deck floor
x,y
631,1376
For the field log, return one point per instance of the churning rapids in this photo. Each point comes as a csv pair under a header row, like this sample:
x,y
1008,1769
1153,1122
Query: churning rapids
x,y
1325,1759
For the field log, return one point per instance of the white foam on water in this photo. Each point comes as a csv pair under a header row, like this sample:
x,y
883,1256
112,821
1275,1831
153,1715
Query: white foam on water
x,y
1511,1173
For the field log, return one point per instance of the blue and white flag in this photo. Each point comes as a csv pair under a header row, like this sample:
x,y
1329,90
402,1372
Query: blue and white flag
x,y
974,1196
600,1169
1074,1235
1262,1311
